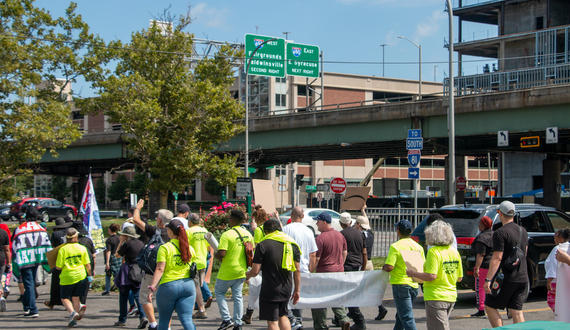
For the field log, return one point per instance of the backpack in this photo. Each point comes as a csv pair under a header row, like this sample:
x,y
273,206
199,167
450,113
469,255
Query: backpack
x,y
148,254
248,250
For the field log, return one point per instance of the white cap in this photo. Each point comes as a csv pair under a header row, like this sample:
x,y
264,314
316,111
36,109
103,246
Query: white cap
x,y
507,208
345,218
363,221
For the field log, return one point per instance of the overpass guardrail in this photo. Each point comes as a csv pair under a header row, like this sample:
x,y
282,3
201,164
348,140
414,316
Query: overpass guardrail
x,y
382,221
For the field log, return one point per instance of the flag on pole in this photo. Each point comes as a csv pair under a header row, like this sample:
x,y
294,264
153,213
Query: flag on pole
x,y
91,218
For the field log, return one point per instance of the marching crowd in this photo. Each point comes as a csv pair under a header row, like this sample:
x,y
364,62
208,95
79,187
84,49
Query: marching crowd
x,y
168,263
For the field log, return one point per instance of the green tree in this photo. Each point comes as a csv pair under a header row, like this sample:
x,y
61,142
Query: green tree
x,y
175,118
139,185
59,188
100,192
35,78
213,187
119,189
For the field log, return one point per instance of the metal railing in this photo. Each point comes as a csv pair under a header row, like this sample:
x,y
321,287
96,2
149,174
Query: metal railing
x,y
347,105
382,221
471,3
510,80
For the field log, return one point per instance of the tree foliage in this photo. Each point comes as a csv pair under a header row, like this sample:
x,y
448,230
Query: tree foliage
x,y
139,185
174,118
119,189
59,188
100,192
35,77
213,187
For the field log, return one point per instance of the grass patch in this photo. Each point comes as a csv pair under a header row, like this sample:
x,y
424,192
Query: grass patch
x,y
378,262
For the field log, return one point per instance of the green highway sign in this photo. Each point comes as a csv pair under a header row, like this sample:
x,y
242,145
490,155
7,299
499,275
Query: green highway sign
x,y
302,60
310,189
269,60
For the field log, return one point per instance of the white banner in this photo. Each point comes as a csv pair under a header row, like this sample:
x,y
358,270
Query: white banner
x,y
320,290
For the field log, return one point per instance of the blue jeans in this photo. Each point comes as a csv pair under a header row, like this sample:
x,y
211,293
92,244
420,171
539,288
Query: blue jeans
x,y
404,296
123,297
107,283
29,279
220,290
179,295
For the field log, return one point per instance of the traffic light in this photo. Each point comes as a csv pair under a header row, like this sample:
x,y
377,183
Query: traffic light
x,y
530,142
299,179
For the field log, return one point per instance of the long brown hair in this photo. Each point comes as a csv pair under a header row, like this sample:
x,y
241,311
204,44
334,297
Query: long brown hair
x,y
178,230
259,215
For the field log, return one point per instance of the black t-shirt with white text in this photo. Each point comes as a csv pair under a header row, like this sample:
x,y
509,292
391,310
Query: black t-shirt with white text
x,y
277,283
504,239
4,241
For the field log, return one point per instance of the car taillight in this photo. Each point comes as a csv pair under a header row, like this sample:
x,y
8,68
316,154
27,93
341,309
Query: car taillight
x,y
465,240
415,238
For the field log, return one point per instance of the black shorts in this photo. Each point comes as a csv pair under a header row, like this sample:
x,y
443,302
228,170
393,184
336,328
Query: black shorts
x,y
272,311
512,296
74,290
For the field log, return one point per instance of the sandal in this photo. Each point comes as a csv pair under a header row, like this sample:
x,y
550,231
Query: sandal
x,y
48,305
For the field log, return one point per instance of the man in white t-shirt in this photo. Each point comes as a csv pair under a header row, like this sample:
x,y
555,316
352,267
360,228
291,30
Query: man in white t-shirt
x,y
183,213
306,241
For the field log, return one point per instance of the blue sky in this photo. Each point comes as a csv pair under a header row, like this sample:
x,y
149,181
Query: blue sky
x,y
345,30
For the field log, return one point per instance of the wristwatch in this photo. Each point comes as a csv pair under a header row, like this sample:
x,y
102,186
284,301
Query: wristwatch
x,y
488,280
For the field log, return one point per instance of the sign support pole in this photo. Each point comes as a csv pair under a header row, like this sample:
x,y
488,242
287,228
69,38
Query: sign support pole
x,y
416,202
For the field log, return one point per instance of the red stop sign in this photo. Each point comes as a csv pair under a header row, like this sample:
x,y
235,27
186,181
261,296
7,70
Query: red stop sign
x,y
461,183
338,185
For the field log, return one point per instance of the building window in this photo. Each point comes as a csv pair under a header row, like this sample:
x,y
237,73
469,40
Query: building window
x,y
280,80
77,115
540,23
302,90
280,100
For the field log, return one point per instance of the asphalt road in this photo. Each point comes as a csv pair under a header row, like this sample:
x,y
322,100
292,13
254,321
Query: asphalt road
x,y
102,312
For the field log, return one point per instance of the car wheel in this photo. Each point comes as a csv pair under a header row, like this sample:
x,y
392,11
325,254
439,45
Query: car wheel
x,y
70,215
45,217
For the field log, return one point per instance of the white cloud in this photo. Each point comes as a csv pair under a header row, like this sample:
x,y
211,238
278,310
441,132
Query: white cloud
x,y
209,16
430,25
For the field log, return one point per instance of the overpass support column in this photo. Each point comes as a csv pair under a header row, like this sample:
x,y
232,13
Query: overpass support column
x,y
552,182
460,170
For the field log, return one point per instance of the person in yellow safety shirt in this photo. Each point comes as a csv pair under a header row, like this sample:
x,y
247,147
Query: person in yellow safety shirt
x,y
442,270
404,289
74,263
201,247
177,289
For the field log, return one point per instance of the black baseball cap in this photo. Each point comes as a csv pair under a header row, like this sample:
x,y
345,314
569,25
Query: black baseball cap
x,y
404,225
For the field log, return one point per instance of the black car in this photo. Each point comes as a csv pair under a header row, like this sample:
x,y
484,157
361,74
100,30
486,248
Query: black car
x,y
539,221
49,208
5,212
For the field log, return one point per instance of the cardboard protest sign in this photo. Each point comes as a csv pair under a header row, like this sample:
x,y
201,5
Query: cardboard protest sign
x,y
414,261
354,198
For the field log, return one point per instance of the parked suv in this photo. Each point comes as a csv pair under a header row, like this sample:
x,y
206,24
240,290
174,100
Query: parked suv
x,y
49,208
539,221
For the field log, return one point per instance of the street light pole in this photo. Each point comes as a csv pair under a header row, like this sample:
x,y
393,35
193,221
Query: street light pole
x,y
383,45
420,75
248,60
451,111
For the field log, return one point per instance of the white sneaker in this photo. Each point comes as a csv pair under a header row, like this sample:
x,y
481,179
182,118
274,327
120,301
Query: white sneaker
x,y
82,309
2,304
73,319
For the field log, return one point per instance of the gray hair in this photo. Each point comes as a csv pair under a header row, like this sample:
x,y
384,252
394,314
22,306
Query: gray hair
x,y
439,233
194,219
165,215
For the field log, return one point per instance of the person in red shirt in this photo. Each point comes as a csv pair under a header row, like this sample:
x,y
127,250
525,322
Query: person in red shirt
x,y
331,254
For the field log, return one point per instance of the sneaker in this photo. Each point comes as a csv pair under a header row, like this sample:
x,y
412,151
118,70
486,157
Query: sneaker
x,y
73,319
2,304
237,327
382,311
105,293
479,314
247,316
133,311
119,324
82,309
226,325
31,315
144,323
150,327
296,326
48,304
208,302
200,315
